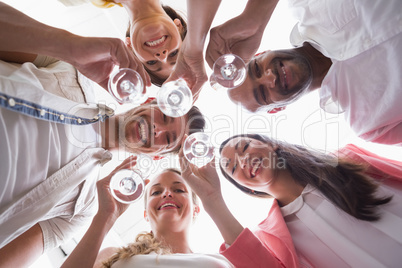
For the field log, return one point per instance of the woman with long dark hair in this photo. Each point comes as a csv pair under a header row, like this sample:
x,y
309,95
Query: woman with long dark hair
x,y
339,212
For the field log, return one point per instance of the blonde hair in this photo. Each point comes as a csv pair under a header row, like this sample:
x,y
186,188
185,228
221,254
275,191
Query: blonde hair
x,y
145,242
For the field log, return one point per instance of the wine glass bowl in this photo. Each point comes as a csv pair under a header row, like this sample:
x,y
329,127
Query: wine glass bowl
x,y
197,149
127,186
126,86
175,98
229,71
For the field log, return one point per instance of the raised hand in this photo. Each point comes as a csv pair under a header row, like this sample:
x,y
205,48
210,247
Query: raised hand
x,y
204,180
237,36
96,57
109,207
190,67
242,34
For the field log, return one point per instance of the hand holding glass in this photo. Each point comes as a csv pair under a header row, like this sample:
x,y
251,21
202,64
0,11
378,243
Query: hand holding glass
x,y
128,186
175,98
229,71
198,150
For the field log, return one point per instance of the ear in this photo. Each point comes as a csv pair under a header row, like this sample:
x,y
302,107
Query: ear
x,y
150,99
275,110
196,211
274,147
128,42
146,216
178,24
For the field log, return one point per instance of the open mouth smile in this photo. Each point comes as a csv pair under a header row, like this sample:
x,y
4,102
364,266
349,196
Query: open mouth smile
x,y
142,130
156,43
168,205
255,168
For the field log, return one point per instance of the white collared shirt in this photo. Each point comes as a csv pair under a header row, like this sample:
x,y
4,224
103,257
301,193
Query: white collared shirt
x,y
326,236
49,160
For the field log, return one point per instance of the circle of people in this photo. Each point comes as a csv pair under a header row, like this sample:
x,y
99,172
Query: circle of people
x,y
329,210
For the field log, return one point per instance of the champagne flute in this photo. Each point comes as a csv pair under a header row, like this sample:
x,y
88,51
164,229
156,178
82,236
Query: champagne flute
x,y
128,186
229,71
198,149
175,98
126,86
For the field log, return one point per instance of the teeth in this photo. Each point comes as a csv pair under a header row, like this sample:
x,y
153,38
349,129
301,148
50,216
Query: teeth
x,y
143,131
168,205
284,74
156,42
255,167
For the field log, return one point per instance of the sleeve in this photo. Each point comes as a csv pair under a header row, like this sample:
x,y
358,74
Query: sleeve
x,y
269,246
59,230
248,251
44,61
378,167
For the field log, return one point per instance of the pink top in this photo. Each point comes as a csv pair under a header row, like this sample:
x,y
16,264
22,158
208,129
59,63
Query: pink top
x,y
271,244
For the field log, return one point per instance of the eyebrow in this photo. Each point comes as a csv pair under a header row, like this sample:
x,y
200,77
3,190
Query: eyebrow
x,y
228,162
249,71
255,93
175,182
237,145
174,137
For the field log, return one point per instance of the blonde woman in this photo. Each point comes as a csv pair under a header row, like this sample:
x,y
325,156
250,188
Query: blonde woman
x,y
170,207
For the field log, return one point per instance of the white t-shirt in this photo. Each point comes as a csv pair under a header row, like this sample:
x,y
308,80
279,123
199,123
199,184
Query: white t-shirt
x,y
193,260
364,42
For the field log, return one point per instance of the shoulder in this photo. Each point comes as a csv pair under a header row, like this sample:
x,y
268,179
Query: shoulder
x,y
104,254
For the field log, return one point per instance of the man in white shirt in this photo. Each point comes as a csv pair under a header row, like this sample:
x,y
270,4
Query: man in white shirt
x,y
349,49
55,136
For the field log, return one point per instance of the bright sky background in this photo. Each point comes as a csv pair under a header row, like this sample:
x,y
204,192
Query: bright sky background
x,y
302,122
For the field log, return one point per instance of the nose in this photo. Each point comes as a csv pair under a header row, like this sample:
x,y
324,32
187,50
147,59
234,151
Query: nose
x,y
243,161
161,55
167,193
158,131
268,79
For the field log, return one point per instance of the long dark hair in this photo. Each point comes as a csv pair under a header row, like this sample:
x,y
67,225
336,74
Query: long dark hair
x,y
342,181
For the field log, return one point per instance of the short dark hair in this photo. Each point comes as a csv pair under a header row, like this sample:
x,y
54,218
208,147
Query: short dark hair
x,y
195,123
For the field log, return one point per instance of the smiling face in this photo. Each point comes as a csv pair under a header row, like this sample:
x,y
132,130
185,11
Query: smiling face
x,y
169,203
272,77
156,42
148,130
251,163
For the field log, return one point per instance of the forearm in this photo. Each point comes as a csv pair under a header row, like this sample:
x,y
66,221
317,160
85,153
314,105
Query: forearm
x,y
21,33
227,224
201,14
86,252
24,250
259,12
